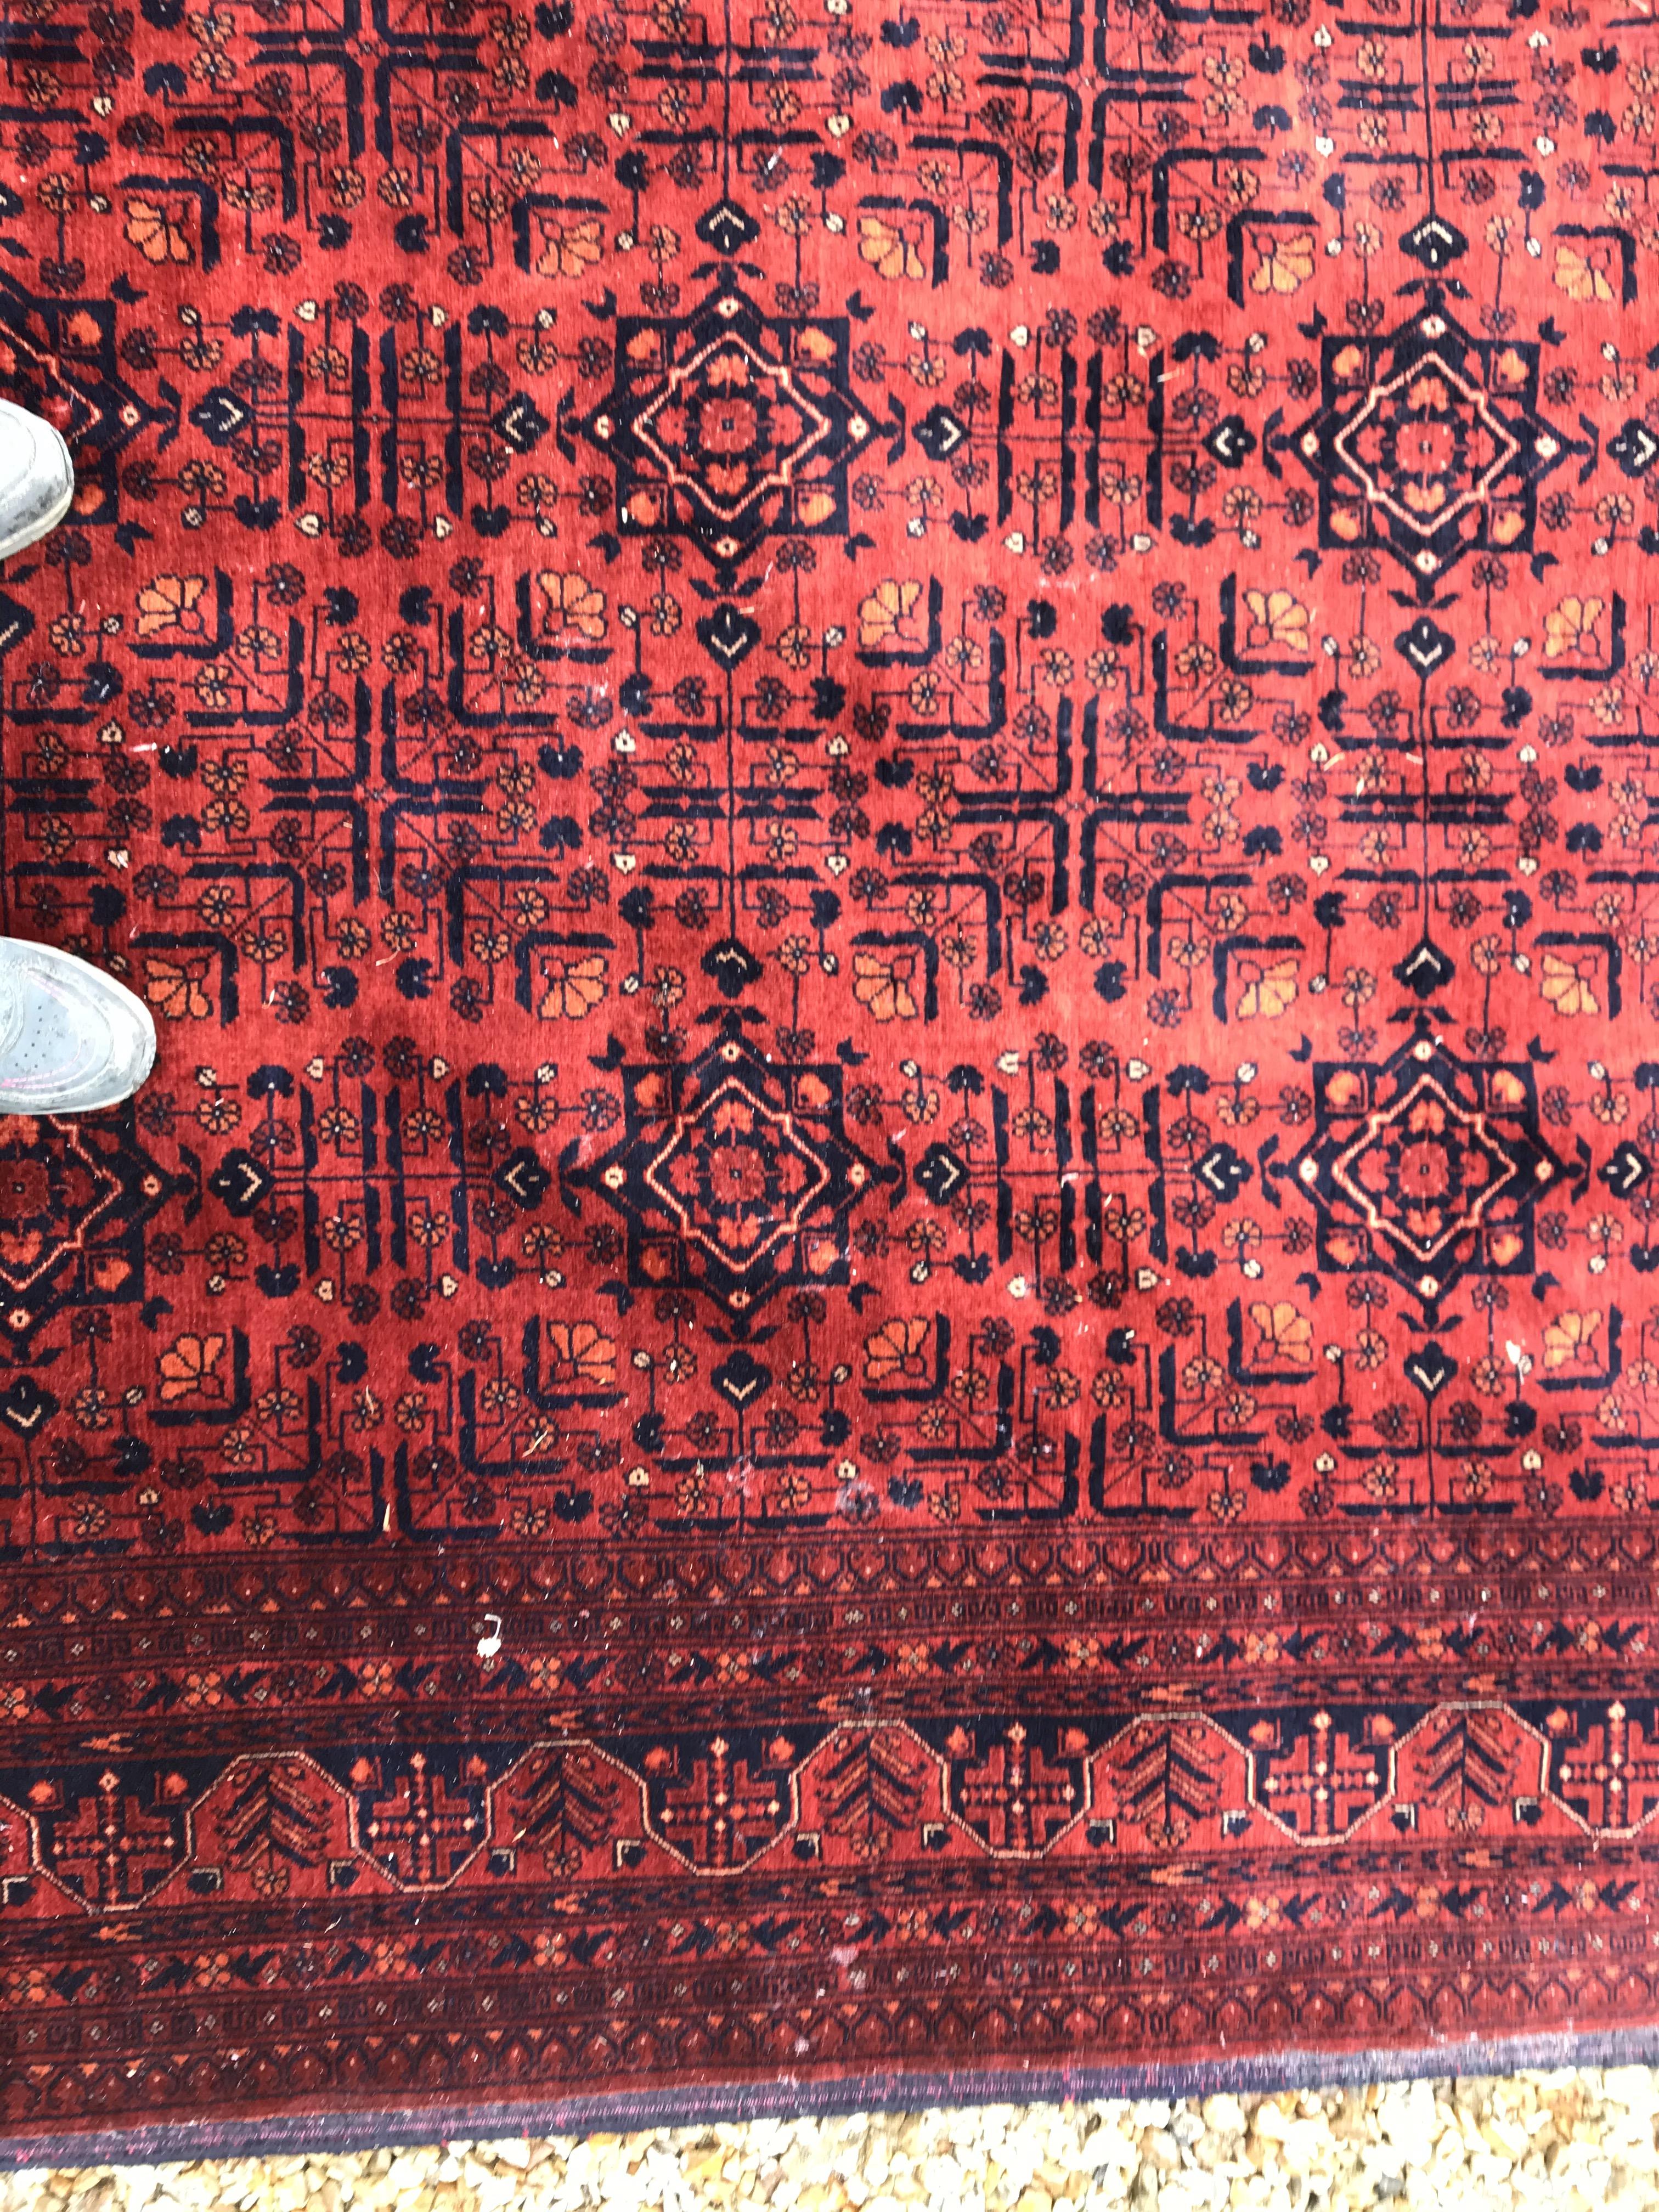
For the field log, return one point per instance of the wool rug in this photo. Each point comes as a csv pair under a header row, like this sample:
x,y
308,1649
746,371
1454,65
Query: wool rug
x,y
882,1323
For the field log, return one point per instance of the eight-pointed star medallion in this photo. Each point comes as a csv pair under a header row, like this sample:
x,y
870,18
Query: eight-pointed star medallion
x,y
735,1175
1428,442
728,425
1427,1168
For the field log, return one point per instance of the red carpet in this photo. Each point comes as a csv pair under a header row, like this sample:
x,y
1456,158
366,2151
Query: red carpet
x,y
887,1307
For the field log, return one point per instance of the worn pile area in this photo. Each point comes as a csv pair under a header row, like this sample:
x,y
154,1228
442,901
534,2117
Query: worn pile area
x,y
1574,2140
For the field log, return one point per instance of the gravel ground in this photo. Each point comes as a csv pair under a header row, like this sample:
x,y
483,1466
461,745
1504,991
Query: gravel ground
x,y
1577,2140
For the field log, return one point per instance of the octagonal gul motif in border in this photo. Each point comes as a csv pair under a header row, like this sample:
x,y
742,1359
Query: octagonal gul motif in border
x,y
1427,1168
728,425
736,1176
1428,441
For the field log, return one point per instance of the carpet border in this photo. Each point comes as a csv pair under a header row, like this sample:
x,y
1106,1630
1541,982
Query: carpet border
x,y
789,2097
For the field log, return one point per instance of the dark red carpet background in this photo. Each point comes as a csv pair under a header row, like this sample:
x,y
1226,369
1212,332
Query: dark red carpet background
x,y
886,1308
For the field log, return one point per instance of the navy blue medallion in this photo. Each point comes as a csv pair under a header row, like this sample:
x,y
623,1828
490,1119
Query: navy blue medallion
x,y
735,1173
728,425
75,1197
1429,1169
1428,442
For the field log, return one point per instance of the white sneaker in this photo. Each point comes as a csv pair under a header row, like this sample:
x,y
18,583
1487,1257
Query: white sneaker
x,y
71,1038
37,478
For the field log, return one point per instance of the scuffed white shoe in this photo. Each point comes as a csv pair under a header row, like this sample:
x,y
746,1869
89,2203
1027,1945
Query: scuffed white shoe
x,y
37,478
71,1038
